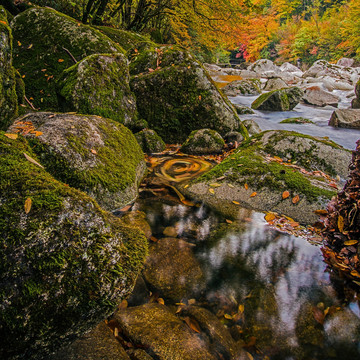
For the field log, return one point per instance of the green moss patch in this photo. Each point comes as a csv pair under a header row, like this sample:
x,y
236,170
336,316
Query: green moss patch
x,y
65,263
41,36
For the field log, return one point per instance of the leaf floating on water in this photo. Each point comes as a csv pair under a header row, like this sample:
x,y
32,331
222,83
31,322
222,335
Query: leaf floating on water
x,y
246,186
250,357
27,206
193,324
340,223
296,199
235,202
12,136
270,216
30,159
253,194
285,195
212,191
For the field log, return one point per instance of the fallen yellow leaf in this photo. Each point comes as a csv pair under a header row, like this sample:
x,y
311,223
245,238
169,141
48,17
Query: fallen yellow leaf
x,y
241,308
340,223
351,242
270,217
253,194
12,136
285,195
27,206
235,202
212,191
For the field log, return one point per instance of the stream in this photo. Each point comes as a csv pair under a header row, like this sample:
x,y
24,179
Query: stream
x,y
271,290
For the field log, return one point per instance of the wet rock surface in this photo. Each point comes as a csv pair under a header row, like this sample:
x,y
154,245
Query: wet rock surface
x,y
242,87
150,141
345,118
318,97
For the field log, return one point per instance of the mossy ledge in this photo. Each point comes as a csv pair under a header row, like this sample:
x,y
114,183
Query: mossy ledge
x,y
65,263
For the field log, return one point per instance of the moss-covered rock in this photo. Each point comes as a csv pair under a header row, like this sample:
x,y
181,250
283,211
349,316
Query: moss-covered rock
x,y
242,87
65,263
252,127
150,141
172,270
278,100
268,177
296,120
99,85
162,333
177,96
90,153
203,142
42,37
8,97
242,109
126,39
355,103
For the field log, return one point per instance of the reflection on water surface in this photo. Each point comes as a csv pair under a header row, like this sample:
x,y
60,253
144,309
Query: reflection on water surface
x,y
272,290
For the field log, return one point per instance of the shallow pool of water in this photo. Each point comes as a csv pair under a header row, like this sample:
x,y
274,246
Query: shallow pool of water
x,y
291,305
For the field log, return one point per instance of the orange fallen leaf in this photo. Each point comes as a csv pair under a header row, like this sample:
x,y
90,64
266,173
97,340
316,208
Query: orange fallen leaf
x,y
350,242
12,136
94,151
321,212
153,239
3,22
193,324
270,217
235,202
241,308
161,301
19,43
27,206
253,194
228,221
296,199
285,195
61,60
246,186
38,133
228,316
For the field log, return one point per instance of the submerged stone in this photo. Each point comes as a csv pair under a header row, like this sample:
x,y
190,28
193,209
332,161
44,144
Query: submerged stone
x,y
172,269
163,333
204,141
8,95
278,100
65,263
44,40
99,85
96,155
175,95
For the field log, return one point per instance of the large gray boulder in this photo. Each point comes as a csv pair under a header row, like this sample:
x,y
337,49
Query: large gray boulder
x,y
8,97
275,84
46,41
175,95
65,263
242,87
278,100
96,155
345,118
99,85
163,333
314,95
296,165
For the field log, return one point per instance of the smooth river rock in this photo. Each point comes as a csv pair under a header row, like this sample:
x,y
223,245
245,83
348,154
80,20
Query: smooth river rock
x,y
345,118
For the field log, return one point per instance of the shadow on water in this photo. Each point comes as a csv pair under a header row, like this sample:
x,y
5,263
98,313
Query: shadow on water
x,y
272,290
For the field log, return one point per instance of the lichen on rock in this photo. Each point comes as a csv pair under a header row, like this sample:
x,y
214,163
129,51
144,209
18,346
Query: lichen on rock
x,y
99,85
43,37
65,263
96,155
175,95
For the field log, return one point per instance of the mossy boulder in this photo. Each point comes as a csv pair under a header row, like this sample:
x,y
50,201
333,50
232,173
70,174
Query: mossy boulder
x,y
242,87
99,85
162,333
150,141
65,263
203,142
42,39
242,109
126,39
296,120
172,270
278,100
252,127
175,95
8,96
96,155
296,165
